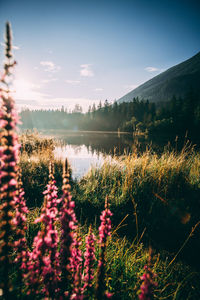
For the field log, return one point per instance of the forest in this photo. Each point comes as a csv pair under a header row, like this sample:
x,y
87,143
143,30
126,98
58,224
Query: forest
x,y
178,116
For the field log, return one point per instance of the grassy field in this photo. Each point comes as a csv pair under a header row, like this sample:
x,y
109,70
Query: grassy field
x,y
159,193
154,200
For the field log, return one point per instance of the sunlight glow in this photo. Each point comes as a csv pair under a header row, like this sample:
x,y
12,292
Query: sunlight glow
x,y
25,90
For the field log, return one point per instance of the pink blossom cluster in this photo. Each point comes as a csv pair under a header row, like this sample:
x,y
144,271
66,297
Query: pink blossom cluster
x,y
89,262
76,268
68,227
51,270
104,232
105,227
148,284
44,260
9,154
20,221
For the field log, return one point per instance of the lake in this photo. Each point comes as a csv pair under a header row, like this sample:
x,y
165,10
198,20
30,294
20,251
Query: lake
x,y
85,149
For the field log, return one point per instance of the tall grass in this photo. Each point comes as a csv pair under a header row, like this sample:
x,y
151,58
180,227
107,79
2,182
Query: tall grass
x,y
158,192
35,170
32,143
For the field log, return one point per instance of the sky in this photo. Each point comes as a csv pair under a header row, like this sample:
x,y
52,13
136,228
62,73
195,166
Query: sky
x,y
83,51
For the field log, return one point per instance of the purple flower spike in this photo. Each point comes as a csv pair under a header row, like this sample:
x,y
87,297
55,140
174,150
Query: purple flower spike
x,y
68,226
76,268
20,220
89,262
44,269
104,232
9,155
148,281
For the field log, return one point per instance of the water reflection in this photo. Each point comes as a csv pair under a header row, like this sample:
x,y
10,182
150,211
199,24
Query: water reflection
x,y
81,158
84,149
96,142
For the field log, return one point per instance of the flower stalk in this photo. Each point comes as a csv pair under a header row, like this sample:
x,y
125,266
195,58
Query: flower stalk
x,y
68,227
43,274
104,232
90,258
148,284
76,268
9,154
20,222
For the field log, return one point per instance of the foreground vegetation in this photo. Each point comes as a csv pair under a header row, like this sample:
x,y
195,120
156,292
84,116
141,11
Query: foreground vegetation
x,y
46,253
154,198
156,193
160,194
125,265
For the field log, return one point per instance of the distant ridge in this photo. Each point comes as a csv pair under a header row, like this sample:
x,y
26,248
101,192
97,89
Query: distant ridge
x,y
177,80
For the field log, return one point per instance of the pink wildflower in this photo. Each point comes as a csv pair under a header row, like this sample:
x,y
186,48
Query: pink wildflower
x,y
76,268
9,153
44,265
108,295
68,226
148,281
19,221
89,262
104,232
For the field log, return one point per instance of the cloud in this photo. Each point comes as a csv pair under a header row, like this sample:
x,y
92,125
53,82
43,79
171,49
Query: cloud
x,y
49,80
15,47
50,66
98,90
73,82
86,70
151,69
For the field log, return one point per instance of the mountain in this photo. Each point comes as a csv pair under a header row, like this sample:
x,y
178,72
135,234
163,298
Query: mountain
x,y
178,81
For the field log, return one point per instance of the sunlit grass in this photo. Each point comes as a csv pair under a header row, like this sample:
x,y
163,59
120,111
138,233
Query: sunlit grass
x,y
169,172
158,196
36,154
32,143
158,193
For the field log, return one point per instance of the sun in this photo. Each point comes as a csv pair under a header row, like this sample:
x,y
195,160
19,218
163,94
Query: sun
x,y
24,89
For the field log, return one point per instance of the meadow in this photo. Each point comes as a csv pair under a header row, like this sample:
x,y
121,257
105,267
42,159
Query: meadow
x,y
127,230
154,200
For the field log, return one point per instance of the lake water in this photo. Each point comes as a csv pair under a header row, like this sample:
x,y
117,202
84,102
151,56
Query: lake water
x,y
81,158
86,149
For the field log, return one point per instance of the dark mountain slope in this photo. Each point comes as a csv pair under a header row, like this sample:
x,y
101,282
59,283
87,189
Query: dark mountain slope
x,y
178,81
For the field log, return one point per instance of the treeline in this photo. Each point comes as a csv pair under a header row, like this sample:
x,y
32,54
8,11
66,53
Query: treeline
x,y
104,117
178,116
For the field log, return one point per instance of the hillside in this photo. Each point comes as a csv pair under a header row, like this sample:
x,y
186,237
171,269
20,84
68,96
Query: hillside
x,y
177,81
